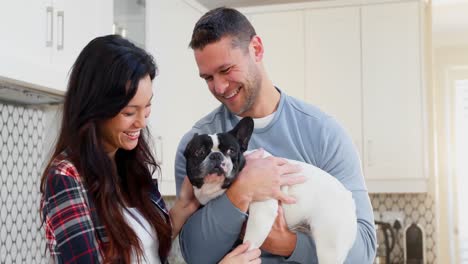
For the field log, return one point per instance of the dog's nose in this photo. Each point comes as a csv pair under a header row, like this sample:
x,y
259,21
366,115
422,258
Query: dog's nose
x,y
216,156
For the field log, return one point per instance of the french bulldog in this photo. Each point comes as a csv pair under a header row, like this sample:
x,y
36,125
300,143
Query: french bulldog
x,y
322,202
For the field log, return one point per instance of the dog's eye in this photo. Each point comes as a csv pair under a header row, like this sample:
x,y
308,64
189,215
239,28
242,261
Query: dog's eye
x,y
231,151
200,152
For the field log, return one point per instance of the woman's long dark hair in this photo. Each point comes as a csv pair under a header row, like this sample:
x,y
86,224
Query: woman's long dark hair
x,y
103,80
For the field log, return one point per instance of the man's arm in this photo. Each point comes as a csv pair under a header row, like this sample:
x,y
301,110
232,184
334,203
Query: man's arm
x,y
341,159
363,250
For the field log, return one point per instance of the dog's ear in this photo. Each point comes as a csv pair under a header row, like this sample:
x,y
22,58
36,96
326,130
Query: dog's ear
x,y
243,131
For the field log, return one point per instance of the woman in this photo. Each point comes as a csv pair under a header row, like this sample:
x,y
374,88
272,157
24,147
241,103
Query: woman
x,y
99,202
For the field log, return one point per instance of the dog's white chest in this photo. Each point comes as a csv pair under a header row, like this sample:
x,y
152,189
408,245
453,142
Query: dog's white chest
x,y
207,192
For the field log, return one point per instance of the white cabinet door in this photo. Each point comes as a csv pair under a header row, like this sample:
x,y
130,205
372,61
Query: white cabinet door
x,y
392,98
283,39
42,38
26,33
333,66
302,51
363,65
76,24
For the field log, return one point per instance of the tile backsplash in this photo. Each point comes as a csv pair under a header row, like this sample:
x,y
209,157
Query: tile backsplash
x,y
21,236
416,208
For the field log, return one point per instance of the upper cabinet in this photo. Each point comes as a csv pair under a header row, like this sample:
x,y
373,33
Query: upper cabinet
x,y
42,38
282,34
333,66
392,89
362,64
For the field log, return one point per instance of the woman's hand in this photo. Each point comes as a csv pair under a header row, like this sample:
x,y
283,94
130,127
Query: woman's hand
x,y
185,205
186,197
240,255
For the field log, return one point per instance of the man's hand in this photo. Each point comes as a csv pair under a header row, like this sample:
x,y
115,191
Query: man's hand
x,y
261,179
281,241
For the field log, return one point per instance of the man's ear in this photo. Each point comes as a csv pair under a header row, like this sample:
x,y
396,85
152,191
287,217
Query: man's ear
x,y
243,131
256,47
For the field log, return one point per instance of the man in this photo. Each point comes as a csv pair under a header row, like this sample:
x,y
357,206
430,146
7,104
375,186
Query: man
x,y
229,56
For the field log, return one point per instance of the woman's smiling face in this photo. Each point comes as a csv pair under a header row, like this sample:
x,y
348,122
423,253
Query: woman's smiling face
x,y
123,130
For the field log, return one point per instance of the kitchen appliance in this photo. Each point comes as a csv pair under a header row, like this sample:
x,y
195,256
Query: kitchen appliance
x,y
385,242
414,244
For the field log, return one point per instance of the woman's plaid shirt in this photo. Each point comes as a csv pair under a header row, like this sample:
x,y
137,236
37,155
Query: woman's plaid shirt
x,y
74,233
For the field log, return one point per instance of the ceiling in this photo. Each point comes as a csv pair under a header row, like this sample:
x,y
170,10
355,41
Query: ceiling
x,y
210,4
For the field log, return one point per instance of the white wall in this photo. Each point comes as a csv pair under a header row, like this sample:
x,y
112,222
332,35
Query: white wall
x,y
445,59
450,41
181,97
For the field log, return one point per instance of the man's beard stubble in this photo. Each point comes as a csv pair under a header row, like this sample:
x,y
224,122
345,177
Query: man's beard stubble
x,y
252,89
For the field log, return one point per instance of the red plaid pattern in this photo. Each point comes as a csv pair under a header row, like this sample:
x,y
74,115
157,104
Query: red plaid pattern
x,y
74,233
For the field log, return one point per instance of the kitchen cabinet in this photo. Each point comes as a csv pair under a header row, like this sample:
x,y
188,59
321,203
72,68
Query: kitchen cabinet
x,y
42,38
273,28
363,64
181,97
333,65
392,92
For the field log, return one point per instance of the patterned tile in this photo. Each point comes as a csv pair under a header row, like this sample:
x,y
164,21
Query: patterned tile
x,y
417,208
21,238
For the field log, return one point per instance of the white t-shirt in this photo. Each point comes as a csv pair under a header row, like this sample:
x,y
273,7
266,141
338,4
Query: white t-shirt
x,y
262,121
146,234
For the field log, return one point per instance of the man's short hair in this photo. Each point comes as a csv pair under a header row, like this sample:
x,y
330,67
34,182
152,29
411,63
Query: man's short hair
x,y
222,22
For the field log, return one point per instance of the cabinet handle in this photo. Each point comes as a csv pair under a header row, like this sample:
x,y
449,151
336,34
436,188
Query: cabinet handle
x,y
49,26
370,158
60,29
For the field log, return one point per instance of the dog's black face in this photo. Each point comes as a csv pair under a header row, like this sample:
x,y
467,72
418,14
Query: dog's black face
x,y
218,158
